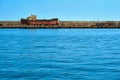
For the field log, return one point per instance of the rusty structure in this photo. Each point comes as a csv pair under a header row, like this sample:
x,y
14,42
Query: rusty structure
x,y
32,20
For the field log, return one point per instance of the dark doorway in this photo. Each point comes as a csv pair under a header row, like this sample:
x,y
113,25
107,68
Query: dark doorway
x,y
0,24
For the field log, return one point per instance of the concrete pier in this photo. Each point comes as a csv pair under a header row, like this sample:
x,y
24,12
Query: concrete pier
x,y
64,24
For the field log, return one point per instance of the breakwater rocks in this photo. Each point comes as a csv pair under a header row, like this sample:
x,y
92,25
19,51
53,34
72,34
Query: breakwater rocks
x,y
64,24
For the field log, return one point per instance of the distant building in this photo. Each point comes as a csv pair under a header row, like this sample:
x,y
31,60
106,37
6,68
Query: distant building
x,y
32,17
32,20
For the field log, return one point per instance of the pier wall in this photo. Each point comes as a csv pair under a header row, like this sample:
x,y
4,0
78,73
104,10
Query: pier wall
x,y
64,24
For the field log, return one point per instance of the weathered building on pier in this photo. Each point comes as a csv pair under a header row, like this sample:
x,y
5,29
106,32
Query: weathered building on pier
x,y
32,20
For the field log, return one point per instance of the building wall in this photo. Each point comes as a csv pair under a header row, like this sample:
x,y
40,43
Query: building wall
x,y
39,22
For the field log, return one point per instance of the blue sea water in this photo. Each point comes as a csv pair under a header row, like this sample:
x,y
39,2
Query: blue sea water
x,y
59,54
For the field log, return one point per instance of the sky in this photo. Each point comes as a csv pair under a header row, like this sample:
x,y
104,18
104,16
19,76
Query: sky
x,y
74,10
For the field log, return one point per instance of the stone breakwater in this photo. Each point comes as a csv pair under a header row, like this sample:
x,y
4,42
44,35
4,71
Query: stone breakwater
x,y
64,24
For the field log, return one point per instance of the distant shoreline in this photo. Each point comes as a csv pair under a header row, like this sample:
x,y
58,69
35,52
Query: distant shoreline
x,y
63,24
59,27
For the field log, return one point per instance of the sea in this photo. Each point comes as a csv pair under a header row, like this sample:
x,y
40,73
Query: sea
x,y
59,54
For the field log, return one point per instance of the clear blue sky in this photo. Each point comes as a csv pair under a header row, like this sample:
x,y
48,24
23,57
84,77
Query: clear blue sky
x,y
62,9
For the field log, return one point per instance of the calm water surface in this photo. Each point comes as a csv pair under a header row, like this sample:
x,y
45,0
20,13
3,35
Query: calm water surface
x,y
59,54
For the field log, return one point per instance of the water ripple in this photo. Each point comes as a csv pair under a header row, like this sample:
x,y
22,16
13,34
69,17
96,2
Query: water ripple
x,y
59,54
